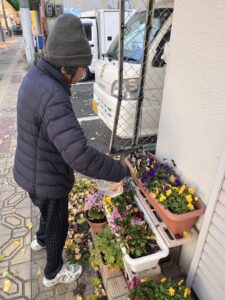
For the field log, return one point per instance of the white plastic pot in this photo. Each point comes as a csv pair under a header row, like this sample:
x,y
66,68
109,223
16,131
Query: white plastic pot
x,y
150,261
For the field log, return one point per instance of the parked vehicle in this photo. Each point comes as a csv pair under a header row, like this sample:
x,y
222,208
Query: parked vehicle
x,y
106,75
100,33
17,30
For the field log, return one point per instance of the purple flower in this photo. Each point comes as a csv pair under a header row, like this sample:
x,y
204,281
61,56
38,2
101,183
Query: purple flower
x,y
152,172
137,221
137,298
95,201
178,182
129,285
143,178
128,207
136,282
116,214
166,188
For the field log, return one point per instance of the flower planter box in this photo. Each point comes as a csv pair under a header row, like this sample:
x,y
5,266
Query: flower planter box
x,y
149,261
176,223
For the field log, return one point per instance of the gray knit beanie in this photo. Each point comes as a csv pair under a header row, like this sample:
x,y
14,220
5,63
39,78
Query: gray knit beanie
x,y
67,44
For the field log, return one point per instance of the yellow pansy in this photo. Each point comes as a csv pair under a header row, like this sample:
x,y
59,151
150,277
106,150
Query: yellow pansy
x,y
169,192
186,234
108,200
190,206
162,198
187,292
189,198
171,292
182,188
181,282
147,169
156,191
164,279
78,297
196,198
191,191
172,178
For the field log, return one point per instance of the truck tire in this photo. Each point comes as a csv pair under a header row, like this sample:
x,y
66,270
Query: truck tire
x,y
86,75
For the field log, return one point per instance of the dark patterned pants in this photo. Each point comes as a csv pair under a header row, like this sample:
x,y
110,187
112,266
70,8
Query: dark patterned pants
x,y
52,231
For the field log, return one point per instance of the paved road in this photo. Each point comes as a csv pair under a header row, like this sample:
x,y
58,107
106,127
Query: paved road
x,y
95,130
97,133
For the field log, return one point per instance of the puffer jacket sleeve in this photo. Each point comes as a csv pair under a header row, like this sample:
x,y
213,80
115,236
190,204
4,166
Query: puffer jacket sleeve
x,y
65,133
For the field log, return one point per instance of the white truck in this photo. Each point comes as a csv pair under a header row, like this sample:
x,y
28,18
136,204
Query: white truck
x,y
101,27
106,74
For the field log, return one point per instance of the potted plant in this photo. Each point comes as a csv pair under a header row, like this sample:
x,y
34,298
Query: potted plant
x,y
95,214
165,290
177,205
110,253
142,246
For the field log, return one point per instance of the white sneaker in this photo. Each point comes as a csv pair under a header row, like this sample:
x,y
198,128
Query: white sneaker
x,y
68,274
35,246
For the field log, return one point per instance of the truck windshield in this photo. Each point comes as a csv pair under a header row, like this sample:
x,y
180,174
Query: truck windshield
x,y
88,30
134,35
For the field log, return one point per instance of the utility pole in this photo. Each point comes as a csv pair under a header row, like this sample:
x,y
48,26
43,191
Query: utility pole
x,y
27,30
1,32
5,18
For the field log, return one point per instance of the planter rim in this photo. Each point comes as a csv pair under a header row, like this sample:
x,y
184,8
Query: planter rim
x,y
195,213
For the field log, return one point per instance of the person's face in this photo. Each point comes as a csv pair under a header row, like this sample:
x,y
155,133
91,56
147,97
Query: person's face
x,y
73,79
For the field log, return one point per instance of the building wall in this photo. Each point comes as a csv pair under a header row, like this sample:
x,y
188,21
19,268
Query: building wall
x,y
192,123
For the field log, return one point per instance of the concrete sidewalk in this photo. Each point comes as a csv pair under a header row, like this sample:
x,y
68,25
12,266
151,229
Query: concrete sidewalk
x,y
21,270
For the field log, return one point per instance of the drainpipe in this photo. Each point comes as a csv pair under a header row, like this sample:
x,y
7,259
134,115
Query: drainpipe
x,y
27,30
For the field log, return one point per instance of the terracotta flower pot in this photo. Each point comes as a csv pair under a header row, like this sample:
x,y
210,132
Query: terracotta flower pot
x,y
175,223
109,272
96,227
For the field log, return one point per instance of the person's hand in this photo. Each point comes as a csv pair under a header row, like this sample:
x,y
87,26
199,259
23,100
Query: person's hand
x,y
115,189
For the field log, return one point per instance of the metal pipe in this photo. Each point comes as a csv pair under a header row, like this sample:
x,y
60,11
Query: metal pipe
x,y
148,28
27,31
120,73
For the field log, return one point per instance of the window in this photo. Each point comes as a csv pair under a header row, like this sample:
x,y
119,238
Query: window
x,y
88,30
134,35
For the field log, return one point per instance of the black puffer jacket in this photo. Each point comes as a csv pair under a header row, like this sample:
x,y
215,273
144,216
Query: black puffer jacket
x,y
50,142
